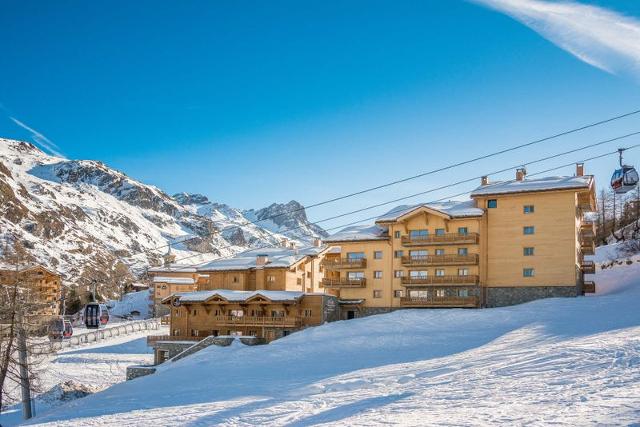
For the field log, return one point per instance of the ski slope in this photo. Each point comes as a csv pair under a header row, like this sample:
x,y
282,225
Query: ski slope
x,y
564,361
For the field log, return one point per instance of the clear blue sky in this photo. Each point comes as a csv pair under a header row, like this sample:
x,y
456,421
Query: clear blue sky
x,y
255,102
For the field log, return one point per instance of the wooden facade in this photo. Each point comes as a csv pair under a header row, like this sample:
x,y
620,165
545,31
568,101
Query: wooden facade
x,y
42,284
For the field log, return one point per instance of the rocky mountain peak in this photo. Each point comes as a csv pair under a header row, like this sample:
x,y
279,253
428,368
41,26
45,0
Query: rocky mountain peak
x,y
190,199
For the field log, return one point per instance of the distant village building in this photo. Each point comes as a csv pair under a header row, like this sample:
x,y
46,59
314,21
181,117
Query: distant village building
x,y
42,284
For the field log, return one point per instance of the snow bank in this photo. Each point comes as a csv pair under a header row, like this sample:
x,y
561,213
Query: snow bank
x,y
131,302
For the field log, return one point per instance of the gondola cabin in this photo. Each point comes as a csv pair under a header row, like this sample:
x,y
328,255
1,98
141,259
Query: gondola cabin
x,y
56,329
104,314
624,179
68,329
92,314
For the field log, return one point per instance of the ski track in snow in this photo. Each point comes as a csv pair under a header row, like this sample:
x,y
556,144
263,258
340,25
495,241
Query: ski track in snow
x,y
555,361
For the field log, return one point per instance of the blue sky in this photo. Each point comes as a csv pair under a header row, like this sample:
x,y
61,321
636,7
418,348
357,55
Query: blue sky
x,y
255,102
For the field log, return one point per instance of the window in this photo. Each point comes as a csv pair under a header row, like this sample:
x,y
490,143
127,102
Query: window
x,y
528,251
463,251
440,293
176,332
271,279
277,313
377,274
377,294
355,255
419,294
420,253
398,254
492,203
377,254
355,275
463,272
463,292
299,281
528,209
530,229
439,251
195,312
528,272
235,279
176,312
397,294
418,233
398,273
440,231
236,313
417,274
195,333
308,275
307,312
439,271
463,230
396,234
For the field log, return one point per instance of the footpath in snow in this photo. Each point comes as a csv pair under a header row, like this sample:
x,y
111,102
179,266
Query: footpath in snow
x,y
565,361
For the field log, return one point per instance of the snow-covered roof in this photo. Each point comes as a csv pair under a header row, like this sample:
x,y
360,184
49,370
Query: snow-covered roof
x,y
235,296
455,209
537,184
174,280
276,258
359,232
180,268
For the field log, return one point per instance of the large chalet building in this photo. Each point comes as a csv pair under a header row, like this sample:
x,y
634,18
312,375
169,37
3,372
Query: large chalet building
x,y
41,284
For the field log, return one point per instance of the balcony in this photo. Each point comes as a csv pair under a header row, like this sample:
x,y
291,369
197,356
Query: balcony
x,y
441,239
151,339
440,280
343,283
425,260
588,267
588,248
273,321
589,287
440,302
344,263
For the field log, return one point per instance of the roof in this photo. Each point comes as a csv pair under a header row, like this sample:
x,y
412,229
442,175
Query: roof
x,y
235,296
454,209
359,232
180,268
538,184
174,280
276,258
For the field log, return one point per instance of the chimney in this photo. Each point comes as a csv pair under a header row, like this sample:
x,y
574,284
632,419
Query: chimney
x,y
484,180
262,259
284,243
317,242
579,169
292,245
520,174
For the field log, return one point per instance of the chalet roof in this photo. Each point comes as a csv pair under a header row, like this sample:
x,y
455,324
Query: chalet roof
x,y
454,209
359,232
174,280
537,184
173,268
235,296
277,258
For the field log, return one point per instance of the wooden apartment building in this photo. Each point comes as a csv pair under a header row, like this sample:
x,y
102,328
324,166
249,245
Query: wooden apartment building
x,y
42,284
512,242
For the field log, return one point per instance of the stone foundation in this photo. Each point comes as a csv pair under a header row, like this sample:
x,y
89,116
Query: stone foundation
x,y
500,297
139,371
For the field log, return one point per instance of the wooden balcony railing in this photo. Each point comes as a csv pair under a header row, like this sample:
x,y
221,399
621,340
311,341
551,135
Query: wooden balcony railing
x,y
343,263
155,338
343,283
435,301
588,248
588,267
283,321
412,260
441,239
589,287
440,280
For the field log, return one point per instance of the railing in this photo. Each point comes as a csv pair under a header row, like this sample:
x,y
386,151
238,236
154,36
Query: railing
x,y
588,287
441,239
344,263
435,301
440,280
588,248
285,321
343,283
165,320
440,260
588,267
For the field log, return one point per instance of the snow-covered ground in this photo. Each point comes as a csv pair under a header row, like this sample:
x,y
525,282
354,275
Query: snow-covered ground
x,y
563,361
132,302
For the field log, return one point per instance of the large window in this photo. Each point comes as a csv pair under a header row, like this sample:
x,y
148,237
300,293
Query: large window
x,y
377,255
271,279
529,229
440,272
418,294
418,233
418,253
528,209
397,294
463,272
463,230
398,254
355,255
396,234
417,274
439,251
492,203
398,273
528,251
377,294
528,272
355,275
377,274
463,251
463,292
440,231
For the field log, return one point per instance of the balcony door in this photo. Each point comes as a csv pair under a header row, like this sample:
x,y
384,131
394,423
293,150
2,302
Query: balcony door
x,y
419,254
418,274
355,275
352,256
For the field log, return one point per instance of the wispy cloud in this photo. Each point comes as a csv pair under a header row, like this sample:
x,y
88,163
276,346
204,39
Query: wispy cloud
x,y
39,138
598,36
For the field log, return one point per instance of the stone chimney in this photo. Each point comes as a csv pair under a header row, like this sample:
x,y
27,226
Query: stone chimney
x,y
262,259
520,174
579,169
317,242
484,180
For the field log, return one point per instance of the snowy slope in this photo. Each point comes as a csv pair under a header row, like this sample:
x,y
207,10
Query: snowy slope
x,y
563,361
81,217
133,301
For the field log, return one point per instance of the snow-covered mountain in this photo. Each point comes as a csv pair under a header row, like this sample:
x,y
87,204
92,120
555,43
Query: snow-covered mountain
x,y
92,222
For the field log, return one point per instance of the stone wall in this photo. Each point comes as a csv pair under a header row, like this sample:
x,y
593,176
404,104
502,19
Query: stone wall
x,y
330,308
500,297
139,371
